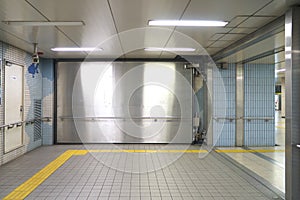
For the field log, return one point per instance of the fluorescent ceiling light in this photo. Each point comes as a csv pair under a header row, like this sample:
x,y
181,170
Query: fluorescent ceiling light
x,y
169,49
44,23
280,70
186,23
73,49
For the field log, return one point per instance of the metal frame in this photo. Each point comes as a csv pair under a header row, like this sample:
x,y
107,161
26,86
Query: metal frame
x,y
292,134
55,103
240,105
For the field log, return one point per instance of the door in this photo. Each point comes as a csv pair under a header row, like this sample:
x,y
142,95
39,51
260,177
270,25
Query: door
x,y
124,102
13,101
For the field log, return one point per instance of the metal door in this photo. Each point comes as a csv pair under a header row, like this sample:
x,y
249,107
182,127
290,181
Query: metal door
x,y
13,101
100,102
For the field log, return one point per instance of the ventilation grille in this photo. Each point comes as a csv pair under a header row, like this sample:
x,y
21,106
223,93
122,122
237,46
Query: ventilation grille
x,y
38,122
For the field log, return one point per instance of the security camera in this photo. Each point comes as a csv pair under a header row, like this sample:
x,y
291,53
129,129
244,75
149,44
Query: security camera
x,y
35,58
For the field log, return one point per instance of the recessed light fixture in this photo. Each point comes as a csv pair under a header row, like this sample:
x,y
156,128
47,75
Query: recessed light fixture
x,y
44,23
186,23
73,49
169,49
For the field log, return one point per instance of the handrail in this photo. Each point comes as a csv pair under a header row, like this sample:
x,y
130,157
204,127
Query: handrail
x,y
226,118
244,118
122,118
258,118
261,118
26,122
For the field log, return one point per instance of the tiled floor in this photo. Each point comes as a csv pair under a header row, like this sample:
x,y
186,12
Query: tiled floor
x,y
132,175
270,166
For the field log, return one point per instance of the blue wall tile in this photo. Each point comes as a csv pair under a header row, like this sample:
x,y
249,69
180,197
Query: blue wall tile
x,y
224,86
259,97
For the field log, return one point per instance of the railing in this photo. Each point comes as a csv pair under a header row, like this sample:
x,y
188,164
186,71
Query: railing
x,y
26,122
243,118
168,118
225,118
266,119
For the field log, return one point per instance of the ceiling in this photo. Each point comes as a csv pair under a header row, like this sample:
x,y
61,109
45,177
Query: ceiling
x,y
120,27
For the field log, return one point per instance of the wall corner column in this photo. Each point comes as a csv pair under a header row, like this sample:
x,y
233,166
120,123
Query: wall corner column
x,y
292,83
239,105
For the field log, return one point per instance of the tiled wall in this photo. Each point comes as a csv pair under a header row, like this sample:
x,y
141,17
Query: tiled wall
x,y
33,89
224,105
46,66
259,103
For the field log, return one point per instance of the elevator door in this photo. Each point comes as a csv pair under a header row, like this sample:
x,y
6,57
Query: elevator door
x,y
13,136
100,102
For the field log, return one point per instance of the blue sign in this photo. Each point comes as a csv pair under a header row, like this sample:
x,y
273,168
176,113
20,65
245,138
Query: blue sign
x,y
33,69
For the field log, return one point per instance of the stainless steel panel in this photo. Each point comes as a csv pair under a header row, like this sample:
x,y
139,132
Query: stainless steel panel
x,y
124,102
209,105
239,104
292,138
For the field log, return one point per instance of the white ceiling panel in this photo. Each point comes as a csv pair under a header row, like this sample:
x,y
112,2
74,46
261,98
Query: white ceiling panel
x,y
141,38
131,14
268,44
222,10
242,30
277,7
233,36
201,34
46,37
111,48
70,54
95,13
213,50
143,54
19,36
18,10
180,40
221,43
209,43
21,43
256,21
215,10
103,18
217,36
236,21
167,55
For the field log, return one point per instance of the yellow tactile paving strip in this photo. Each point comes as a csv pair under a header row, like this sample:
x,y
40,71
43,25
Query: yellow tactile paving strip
x,y
145,151
31,184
